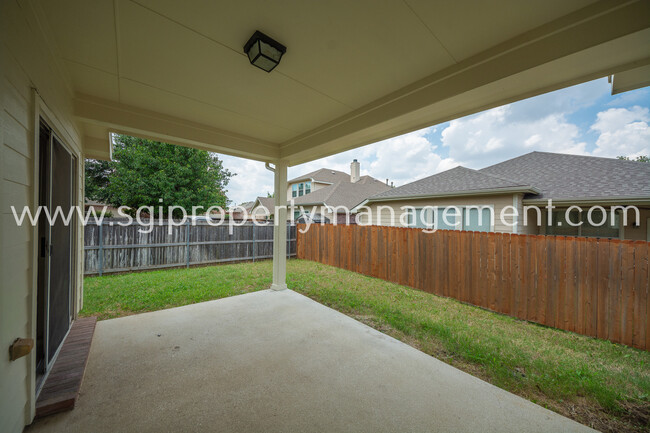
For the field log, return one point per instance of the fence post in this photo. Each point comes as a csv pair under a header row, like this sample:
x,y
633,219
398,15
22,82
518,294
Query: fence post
x,y
288,241
254,227
187,245
100,254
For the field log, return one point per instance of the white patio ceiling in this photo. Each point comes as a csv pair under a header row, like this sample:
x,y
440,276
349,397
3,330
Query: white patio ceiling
x,y
355,72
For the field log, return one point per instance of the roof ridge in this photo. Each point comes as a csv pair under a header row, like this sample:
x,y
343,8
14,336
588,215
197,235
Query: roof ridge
x,y
562,154
311,174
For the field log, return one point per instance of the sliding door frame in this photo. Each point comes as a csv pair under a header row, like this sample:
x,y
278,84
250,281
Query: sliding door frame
x,y
42,112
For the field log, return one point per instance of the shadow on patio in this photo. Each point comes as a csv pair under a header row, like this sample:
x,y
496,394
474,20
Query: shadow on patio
x,y
278,361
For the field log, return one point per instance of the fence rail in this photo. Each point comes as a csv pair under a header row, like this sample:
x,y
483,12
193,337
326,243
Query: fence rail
x,y
111,247
595,287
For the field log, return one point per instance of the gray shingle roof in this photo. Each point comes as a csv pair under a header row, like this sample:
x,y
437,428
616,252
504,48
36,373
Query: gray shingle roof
x,y
326,175
266,202
458,180
575,177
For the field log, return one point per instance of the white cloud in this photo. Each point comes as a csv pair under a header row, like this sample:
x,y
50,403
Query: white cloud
x,y
252,179
502,133
401,159
407,158
622,131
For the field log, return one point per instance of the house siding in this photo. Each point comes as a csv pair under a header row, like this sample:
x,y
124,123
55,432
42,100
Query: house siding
x,y
526,224
383,216
630,232
24,66
639,233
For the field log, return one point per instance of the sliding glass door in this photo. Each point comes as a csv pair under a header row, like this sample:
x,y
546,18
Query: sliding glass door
x,y
56,239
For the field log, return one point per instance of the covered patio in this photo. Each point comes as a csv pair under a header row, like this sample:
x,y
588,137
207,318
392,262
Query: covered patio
x,y
73,72
276,361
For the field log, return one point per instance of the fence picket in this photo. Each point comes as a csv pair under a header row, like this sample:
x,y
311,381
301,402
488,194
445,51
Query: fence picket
x,y
111,247
596,287
604,269
627,292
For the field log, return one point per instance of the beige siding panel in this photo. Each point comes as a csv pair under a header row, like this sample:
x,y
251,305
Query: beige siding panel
x,y
17,257
16,136
13,234
37,68
381,212
14,376
16,195
530,227
16,168
14,74
15,305
640,232
14,104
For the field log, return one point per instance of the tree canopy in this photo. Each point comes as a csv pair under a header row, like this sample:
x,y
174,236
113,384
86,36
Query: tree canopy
x,y
640,158
143,172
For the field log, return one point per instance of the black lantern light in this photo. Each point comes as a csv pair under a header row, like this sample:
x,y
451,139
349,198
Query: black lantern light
x,y
264,52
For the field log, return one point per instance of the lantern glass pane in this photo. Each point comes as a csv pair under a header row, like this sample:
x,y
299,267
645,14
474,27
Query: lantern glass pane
x,y
254,51
271,52
265,63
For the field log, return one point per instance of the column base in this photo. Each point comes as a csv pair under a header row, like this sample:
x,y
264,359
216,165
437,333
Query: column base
x,y
278,287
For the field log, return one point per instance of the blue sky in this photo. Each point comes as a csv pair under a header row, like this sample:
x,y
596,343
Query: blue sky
x,y
584,119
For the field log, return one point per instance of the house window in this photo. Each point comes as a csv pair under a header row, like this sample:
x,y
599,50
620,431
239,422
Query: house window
x,y
450,222
420,218
294,190
307,187
472,222
561,227
434,217
301,189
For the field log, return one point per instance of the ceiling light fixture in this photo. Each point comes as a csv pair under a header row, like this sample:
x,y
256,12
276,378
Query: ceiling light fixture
x,y
263,51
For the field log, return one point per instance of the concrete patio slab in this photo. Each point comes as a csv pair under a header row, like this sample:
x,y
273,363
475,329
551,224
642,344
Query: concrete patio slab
x,y
276,361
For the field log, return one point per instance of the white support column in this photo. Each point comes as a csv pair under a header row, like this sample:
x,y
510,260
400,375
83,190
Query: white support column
x,y
280,228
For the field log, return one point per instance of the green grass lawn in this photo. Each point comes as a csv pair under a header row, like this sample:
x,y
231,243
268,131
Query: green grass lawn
x,y
598,383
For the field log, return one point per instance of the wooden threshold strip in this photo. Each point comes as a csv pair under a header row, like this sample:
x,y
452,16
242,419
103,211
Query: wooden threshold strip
x,y
62,385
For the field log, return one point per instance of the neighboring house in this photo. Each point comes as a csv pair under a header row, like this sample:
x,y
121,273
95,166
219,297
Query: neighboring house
x,y
111,211
248,205
312,182
263,208
529,180
328,193
242,211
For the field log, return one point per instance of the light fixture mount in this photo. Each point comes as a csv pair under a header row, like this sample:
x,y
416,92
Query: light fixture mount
x,y
264,51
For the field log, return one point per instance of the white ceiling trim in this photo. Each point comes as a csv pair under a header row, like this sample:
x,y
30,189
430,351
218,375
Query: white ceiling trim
x,y
134,121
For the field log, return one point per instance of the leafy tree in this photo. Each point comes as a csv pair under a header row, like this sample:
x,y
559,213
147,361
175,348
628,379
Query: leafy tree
x,y
641,158
143,172
97,173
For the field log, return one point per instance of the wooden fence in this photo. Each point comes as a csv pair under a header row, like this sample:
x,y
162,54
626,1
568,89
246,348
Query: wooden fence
x,y
110,247
595,287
